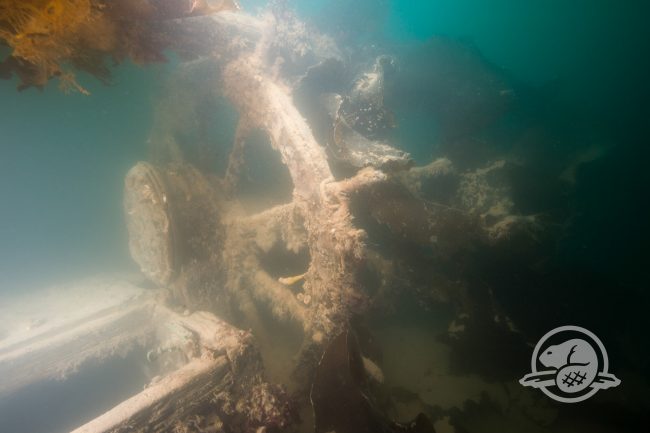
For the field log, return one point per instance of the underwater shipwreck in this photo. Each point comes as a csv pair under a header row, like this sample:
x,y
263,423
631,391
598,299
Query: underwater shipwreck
x,y
272,264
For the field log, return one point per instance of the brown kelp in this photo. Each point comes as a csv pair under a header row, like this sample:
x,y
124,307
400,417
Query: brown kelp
x,y
53,38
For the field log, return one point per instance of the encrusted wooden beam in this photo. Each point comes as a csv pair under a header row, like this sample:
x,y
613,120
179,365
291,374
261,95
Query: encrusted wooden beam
x,y
216,377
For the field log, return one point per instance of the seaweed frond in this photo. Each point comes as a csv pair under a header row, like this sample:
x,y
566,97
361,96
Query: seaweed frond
x,y
45,35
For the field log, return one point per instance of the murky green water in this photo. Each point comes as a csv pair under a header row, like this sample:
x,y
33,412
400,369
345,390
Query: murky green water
x,y
541,109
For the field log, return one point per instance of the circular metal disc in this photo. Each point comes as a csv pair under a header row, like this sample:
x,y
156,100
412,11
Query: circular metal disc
x,y
149,223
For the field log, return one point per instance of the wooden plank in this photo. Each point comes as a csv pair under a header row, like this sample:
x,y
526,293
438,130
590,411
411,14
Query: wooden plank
x,y
51,334
160,406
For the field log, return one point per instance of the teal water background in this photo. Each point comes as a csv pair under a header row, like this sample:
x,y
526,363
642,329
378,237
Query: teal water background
x,y
63,157
62,165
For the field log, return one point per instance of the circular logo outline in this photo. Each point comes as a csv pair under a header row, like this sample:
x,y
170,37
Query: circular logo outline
x,y
603,370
